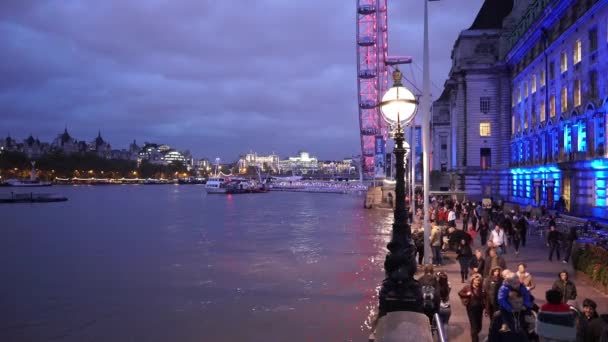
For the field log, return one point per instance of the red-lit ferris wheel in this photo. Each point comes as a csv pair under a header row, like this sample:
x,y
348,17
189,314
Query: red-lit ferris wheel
x,y
373,77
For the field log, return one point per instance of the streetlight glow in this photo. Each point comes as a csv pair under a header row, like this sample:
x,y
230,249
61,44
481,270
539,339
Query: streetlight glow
x,y
398,103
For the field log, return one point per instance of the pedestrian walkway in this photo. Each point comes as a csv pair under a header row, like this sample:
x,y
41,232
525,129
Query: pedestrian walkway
x,y
544,273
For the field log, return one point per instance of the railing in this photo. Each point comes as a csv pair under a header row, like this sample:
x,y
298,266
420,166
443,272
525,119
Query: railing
x,y
438,328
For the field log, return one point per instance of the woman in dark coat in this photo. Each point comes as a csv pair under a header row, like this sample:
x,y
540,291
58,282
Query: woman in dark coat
x,y
464,256
473,298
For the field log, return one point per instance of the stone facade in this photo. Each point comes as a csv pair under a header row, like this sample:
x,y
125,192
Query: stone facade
x,y
470,119
559,62
539,82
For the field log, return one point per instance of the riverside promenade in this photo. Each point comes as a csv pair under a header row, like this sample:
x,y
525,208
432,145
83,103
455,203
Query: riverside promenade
x,y
544,273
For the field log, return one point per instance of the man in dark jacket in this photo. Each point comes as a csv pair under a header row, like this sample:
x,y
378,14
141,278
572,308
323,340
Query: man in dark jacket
x,y
553,242
572,236
597,330
565,287
492,261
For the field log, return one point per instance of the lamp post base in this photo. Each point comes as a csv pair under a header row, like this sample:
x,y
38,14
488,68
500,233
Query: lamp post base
x,y
400,291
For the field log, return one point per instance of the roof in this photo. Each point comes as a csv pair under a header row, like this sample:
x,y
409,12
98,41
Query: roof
x,y
491,14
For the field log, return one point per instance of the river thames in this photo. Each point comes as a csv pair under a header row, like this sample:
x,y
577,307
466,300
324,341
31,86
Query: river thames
x,y
169,263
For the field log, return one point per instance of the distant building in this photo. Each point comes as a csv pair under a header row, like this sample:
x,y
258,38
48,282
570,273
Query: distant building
x,y
470,126
101,147
163,154
266,163
67,144
344,166
33,148
302,164
8,144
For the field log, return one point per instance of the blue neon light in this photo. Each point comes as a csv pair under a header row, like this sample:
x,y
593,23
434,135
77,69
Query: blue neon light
x,y
600,183
600,202
582,137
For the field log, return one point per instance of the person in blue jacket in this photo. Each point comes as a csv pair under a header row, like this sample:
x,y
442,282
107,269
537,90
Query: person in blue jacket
x,y
511,282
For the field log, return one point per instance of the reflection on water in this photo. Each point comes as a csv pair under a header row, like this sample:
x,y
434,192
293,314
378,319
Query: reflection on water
x,y
168,263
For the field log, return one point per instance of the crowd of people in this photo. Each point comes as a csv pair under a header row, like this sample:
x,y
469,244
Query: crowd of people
x,y
506,296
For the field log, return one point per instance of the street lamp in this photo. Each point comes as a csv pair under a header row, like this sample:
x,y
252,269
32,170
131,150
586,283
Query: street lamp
x,y
399,291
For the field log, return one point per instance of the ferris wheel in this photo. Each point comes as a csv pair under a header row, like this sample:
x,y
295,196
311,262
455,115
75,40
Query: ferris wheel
x,y
372,79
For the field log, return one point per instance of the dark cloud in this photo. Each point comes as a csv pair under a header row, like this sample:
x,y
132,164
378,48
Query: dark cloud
x,y
217,77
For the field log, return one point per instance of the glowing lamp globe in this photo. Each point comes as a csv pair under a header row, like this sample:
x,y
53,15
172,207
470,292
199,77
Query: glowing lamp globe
x,y
398,105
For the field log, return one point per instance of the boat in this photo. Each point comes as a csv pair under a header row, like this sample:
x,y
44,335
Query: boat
x,y
26,183
217,185
32,198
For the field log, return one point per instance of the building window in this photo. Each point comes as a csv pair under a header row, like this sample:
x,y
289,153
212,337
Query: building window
x,y
484,104
526,118
564,100
518,94
552,106
513,124
563,62
485,158
592,39
543,78
512,97
543,108
533,84
552,71
485,129
577,93
577,52
526,90
593,84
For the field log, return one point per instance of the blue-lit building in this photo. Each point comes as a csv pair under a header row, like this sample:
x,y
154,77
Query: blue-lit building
x,y
558,60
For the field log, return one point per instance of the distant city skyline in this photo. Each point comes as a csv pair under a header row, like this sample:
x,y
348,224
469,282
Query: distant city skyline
x,y
282,80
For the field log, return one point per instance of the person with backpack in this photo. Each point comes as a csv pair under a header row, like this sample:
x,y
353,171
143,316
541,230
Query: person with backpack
x,y
430,291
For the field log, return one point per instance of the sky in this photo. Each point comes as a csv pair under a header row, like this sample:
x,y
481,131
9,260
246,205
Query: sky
x,y
219,78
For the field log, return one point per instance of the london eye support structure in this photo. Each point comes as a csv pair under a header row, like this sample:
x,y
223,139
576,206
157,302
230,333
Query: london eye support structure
x,y
372,79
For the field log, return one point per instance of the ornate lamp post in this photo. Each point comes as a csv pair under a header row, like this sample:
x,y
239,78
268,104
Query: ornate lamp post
x,y
400,291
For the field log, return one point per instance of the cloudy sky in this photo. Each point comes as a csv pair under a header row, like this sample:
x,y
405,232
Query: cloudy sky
x,y
217,77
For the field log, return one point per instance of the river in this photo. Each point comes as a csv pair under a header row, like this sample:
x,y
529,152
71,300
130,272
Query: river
x,y
169,263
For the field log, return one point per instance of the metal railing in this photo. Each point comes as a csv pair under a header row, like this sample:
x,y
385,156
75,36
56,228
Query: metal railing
x,y
438,331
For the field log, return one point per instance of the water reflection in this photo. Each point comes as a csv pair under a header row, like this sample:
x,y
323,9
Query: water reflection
x,y
169,263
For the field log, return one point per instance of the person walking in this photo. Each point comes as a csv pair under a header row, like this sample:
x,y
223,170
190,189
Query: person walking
x,y
419,243
465,216
477,262
436,243
524,231
445,310
464,254
565,286
473,298
491,285
451,218
553,242
525,277
492,261
570,238
483,229
498,239
512,325
518,231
